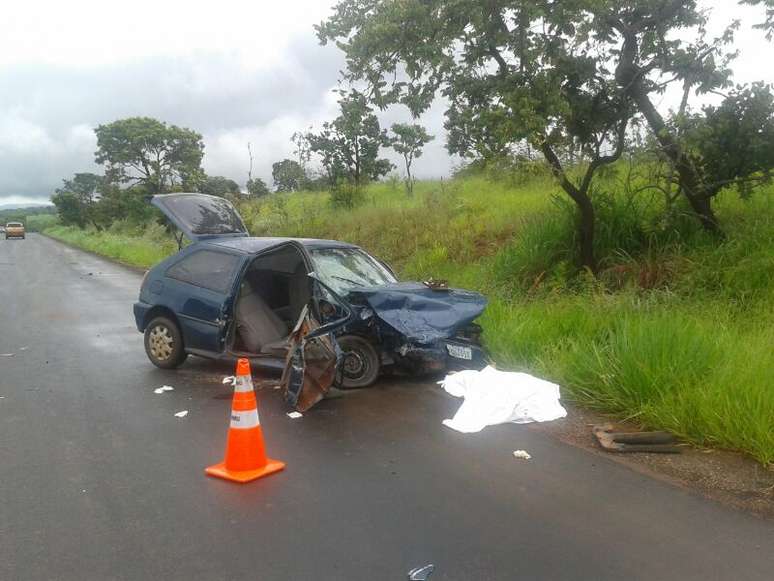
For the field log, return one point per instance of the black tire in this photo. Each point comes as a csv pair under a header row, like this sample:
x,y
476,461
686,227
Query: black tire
x,y
361,363
164,343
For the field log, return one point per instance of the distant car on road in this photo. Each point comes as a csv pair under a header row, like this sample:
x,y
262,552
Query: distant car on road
x,y
230,295
14,230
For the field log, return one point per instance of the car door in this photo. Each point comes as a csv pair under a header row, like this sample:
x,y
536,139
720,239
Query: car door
x,y
313,363
201,286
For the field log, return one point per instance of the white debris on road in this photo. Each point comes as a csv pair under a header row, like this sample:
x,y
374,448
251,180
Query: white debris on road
x,y
181,414
230,379
294,415
521,454
7,354
163,388
498,397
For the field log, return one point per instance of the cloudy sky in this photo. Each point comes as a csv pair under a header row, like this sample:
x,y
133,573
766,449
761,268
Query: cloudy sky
x,y
235,71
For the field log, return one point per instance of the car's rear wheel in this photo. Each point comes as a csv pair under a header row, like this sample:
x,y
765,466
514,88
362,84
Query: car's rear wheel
x,y
164,343
361,363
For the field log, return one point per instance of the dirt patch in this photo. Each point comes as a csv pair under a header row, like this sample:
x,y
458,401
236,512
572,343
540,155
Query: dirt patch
x,y
726,477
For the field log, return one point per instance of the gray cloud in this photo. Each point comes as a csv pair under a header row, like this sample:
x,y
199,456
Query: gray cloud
x,y
230,87
48,112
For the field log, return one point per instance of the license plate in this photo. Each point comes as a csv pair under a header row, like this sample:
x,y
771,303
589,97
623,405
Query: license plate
x,y
459,352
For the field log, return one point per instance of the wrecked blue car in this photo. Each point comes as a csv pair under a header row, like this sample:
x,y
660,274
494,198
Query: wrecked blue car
x,y
229,295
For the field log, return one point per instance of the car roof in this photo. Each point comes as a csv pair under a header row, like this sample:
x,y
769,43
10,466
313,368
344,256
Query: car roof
x,y
251,245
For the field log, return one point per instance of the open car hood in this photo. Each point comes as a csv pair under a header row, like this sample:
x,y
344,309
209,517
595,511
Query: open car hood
x,y
421,313
200,216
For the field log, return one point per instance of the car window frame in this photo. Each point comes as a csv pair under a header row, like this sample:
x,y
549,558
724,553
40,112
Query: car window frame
x,y
228,288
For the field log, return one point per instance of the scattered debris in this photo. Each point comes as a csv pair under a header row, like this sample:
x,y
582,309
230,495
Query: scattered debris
x,y
231,379
181,414
498,397
163,388
521,454
294,415
24,348
7,354
653,442
421,573
437,284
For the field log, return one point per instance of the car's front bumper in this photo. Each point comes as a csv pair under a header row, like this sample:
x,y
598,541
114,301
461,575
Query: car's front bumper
x,y
444,355
140,311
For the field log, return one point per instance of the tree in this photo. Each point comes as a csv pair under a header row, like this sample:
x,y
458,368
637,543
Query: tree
x,y
768,24
77,199
563,75
257,187
733,143
145,151
288,176
69,208
349,145
408,141
219,186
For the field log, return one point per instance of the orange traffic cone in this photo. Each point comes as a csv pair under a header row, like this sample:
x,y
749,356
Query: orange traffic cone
x,y
245,452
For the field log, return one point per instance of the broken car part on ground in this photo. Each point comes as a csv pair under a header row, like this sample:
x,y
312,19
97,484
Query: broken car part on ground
x,y
228,295
652,442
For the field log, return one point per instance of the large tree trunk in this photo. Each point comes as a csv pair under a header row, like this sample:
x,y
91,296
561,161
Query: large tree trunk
x,y
586,222
630,77
690,178
586,217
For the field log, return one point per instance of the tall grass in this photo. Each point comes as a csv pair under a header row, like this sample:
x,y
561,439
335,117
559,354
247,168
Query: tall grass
x,y
140,247
676,332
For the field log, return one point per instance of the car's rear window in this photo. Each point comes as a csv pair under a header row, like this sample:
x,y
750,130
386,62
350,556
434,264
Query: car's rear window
x,y
207,269
14,225
205,215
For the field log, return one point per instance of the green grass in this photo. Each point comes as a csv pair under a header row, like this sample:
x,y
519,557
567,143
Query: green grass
x,y
676,333
135,247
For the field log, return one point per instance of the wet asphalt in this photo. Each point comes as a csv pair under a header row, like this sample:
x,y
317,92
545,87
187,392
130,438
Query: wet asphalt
x,y
99,479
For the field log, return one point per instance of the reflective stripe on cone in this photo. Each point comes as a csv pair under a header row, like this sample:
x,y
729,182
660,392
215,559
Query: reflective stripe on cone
x,y
246,419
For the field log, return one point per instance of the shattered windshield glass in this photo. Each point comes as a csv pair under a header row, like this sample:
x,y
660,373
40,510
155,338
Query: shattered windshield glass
x,y
345,268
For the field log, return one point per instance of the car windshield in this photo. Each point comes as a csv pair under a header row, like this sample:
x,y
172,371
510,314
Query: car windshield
x,y
343,269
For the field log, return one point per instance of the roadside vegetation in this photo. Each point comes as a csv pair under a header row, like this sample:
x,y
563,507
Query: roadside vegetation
x,y
628,251
675,332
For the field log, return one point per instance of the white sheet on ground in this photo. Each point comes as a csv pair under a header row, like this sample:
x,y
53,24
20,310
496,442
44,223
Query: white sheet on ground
x,y
497,397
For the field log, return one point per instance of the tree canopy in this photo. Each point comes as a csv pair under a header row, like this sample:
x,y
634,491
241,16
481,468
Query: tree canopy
x,y
77,198
151,153
257,187
408,140
219,186
288,176
349,145
563,75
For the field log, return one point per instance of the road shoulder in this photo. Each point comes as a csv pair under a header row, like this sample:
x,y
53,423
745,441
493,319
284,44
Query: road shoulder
x,y
727,477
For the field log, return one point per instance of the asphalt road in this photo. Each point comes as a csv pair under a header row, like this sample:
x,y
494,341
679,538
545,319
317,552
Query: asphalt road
x,y
99,480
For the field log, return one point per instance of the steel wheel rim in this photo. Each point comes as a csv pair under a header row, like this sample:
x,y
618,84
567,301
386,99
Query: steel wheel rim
x,y
161,343
355,364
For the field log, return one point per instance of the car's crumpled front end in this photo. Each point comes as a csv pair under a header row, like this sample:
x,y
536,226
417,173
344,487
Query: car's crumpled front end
x,y
421,328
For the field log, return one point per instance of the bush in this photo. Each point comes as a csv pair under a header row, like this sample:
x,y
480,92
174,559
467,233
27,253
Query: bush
x,y
347,196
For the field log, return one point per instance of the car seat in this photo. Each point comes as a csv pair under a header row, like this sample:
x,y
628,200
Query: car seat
x,y
260,329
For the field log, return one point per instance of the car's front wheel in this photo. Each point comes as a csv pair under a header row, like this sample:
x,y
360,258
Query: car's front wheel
x,y
164,343
361,363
